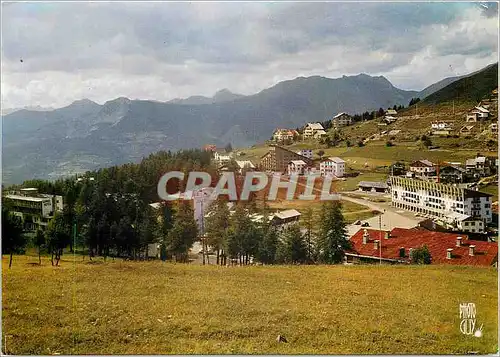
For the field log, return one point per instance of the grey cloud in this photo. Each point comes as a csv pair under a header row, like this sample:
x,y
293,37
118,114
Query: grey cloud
x,y
179,49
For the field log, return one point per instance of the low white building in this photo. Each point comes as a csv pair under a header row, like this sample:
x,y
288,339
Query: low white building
x,y
283,219
281,135
245,165
390,119
438,200
333,166
441,128
280,219
319,134
311,129
480,165
221,157
465,223
297,167
422,167
477,114
306,153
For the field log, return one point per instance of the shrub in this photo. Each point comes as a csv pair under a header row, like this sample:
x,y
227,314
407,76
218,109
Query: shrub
x,y
389,144
421,255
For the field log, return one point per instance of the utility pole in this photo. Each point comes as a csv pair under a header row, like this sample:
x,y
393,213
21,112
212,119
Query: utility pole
x,y
74,238
202,235
380,237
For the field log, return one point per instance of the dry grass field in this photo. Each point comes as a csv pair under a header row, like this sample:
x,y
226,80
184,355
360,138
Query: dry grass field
x,y
162,308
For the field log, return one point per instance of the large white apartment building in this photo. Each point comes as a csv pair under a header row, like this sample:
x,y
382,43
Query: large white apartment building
x,y
35,209
439,200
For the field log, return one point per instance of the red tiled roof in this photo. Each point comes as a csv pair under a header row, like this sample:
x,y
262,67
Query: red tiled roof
x,y
486,253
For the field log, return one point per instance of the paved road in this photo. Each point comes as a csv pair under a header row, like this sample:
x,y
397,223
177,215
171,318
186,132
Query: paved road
x,y
389,219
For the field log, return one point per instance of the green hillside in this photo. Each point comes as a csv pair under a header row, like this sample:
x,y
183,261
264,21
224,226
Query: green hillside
x,y
469,89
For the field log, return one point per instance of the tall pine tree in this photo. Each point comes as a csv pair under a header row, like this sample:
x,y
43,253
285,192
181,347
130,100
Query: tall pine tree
x,y
183,233
292,249
332,239
217,225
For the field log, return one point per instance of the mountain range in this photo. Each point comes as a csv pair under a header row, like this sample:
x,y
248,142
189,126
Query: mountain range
x,y
86,135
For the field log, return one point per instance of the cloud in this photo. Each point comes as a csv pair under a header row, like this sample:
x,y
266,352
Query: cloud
x,y
54,53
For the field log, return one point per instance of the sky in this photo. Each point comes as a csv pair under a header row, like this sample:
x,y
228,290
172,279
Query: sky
x,y
56,53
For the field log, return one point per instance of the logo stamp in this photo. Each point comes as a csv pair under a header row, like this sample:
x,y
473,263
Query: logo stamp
x,y
468,320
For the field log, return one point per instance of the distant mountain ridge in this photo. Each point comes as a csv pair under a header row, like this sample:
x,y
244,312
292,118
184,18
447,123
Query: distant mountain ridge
x,y
223,95
36,108
86,135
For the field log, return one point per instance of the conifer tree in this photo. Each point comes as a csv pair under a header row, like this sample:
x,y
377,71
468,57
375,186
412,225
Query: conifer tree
x,y
13,239
39,242
307,218
332,239
268,245
217,225
292,248
183,233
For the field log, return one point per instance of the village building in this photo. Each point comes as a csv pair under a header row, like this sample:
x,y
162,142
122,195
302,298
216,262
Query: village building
x,y
221,157
438,200
311,129
240,165
277,159
494,128
479,113
35,209
389,119
281,135
210,147
391,112
333,166
452,174
464,223
320,134
441,128
283,219
397,246
306,153
480,165
466,130
372,186
298,167
422,167
341,119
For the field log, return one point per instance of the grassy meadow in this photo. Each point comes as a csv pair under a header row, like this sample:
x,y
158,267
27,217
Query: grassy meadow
x,y
163,308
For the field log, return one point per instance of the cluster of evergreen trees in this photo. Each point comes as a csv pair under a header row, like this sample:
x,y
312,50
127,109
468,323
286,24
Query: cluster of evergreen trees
x,y
240,238
109,215
107,212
